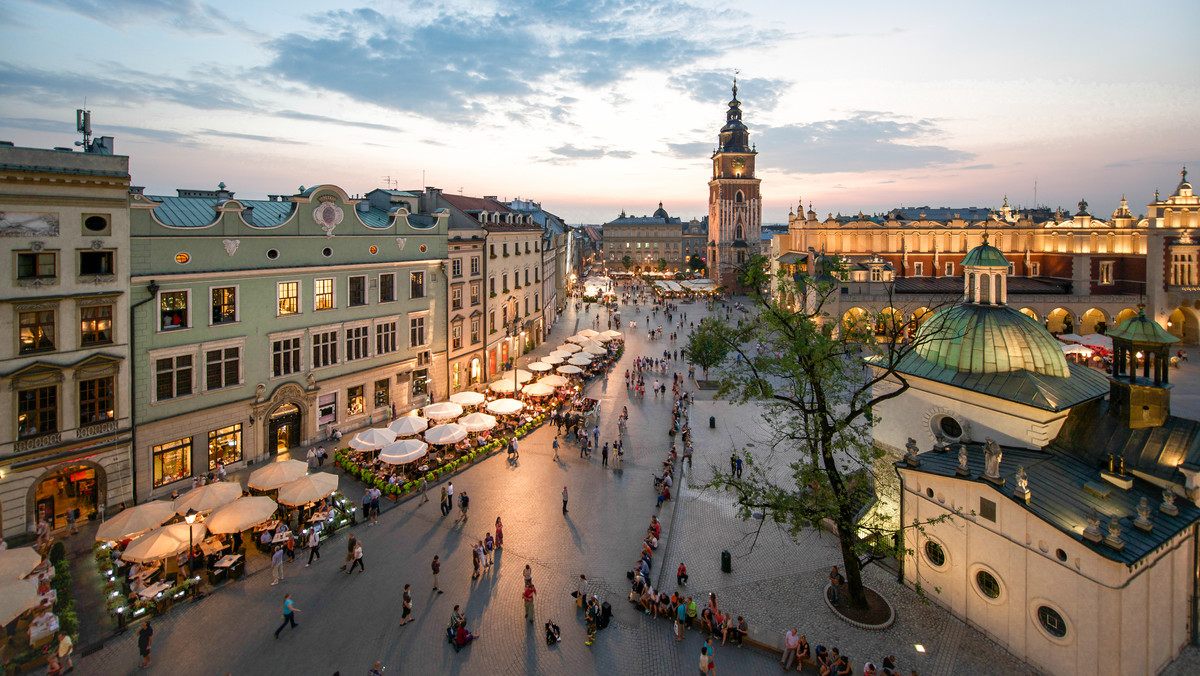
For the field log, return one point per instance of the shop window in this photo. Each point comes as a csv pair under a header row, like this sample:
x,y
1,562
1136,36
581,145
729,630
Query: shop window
x,y
354,401
387,287
95,325
172,461
225,446
383,393
224,305
37,411
222,368
173,310
36,331
420,382
327,409
358,291
97,400
172,377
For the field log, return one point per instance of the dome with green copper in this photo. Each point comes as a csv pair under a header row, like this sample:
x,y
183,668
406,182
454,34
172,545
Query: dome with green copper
x,y
989,339
985,255
1141,329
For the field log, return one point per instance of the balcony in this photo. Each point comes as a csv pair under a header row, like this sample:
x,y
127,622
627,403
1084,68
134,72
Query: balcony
x,y
106,427
34,443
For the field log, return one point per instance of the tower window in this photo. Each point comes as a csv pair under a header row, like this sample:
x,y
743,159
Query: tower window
x,y
739,197
738,233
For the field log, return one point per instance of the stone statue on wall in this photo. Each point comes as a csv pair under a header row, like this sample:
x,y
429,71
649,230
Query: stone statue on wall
x,y
260,393
992,455
962,461
1143,518
1113,539
1022,492
1092,532
910,453
311,380
1168,504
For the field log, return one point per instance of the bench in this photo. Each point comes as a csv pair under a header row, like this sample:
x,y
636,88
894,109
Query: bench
x,y
772,642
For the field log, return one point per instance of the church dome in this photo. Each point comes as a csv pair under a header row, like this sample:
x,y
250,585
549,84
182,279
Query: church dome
x,y
661,212
985,255
978,339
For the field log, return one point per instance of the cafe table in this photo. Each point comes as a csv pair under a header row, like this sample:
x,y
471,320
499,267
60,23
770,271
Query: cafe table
x,y
227,561
154,590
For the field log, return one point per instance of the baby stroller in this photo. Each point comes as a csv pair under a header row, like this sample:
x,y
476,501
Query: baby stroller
x,y
552,633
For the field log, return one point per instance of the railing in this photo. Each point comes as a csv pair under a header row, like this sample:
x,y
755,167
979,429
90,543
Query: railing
x,y
33,444
96,430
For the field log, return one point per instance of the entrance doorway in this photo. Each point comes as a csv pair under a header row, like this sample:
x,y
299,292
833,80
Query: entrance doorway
x,y
284,432
71,488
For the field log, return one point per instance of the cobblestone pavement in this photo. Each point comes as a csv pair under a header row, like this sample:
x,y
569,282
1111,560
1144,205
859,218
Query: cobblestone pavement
x,y
348,622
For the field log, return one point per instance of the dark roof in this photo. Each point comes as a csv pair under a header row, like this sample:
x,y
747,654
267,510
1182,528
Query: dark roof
x,y
193,212
1091,433
1016,285
1052,393
1056,481
475,203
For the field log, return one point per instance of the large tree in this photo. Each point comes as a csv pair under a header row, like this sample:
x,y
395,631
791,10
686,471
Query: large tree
x,y
820,383
627,262
707,347
696,263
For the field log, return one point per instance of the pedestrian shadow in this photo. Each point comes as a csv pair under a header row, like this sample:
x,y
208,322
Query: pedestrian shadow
x,y
575,537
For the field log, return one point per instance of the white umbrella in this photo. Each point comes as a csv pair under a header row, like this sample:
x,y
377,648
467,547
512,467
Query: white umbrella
x,y
502,386
17,563
588,333
570,369
163,542
537,389
450,433
369,440
137,519
505,406
16,597
409,425
590,345
613,335
554,381
240,515
578,338
601,338
561,354
208,497
540,367
467,398
1070,348
595,349
277,474
444,410
478,422
1097,340
554,359
580,360
523,376
308,489
403,451
569,348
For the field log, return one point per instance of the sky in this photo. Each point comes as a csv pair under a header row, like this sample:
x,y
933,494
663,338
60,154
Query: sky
x,y
600,106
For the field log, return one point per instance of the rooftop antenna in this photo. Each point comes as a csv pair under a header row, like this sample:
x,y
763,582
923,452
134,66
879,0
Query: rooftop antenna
x,y
83,125
1035,192
390,182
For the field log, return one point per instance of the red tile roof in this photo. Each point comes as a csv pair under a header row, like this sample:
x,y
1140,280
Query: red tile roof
x,y
475,203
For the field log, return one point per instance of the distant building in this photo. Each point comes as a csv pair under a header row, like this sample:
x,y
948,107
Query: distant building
x,y
647,243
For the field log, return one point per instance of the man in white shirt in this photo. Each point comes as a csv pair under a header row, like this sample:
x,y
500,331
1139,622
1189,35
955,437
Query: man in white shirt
x,y
790,641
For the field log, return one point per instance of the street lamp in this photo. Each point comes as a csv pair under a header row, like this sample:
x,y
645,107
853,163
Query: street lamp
x,y
190,518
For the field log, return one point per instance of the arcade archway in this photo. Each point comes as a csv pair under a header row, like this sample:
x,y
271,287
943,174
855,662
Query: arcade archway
x,y
1060,320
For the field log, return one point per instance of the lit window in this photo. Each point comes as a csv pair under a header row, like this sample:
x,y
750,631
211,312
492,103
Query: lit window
x,y
36,331
355,403
225,445
1106,273
95,325
289,298
323,294
173,310
172,461
37,411
416,284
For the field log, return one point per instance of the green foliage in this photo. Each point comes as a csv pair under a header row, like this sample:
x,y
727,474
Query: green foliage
x,y
709,345
696,263
627,262
58,552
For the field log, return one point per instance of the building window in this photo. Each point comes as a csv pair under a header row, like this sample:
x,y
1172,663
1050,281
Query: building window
x,y
358,343
536,275
918,269
383,393
492,321
456,267
456,337
172,461
173,310
96,263
949,428
1035,269
987,509
505,248
327,409
456,377
935,554
420,382
225,446
1106,273
526,305
474,331
456,298
492,285
358,291
1052,622
526,276
475,293
95,325
172,377
385,338
949,269
988,584
474,265
416,331
37,331
285,357
387,288
37,411
416,285
323,294
289,298
504,285
537,304
97,400
354,401
42,265
224,305
222,367
324,349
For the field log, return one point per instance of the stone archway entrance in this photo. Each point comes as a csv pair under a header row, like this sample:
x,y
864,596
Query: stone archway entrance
x,y
285,420
283,431
78,485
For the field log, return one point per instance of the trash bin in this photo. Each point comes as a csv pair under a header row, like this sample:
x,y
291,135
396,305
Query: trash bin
x,y
712,421
726,562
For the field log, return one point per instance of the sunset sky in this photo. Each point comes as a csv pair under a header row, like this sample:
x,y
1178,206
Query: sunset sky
x,y
594,107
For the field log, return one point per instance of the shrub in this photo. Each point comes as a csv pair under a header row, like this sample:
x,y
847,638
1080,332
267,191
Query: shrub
x,y
58,552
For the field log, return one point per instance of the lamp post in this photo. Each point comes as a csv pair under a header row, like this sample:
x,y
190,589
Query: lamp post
x,y
190,518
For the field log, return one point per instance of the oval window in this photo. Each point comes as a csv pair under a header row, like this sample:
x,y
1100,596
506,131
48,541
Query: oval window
x,y
272,253
1061,555
988,584
182,257
1052,622
950,427
423,248
96,223
935,553
327,252
373,249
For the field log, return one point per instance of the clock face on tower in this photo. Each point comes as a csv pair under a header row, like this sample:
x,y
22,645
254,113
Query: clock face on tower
x,y
739,165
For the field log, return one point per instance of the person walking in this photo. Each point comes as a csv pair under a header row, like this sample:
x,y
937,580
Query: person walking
x,y
464,503
499,533
289,614
555,446
564,499
593,619
314,546
445,506
358,559
375,495
604,455
277,566
406,607
145,637
424,490
66,649
515,448
349,551
71,523
437,568
527,596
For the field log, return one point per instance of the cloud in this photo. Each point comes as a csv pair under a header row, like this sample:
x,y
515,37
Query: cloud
x,y
119,87
690,151
712,86
568,154
974,167
248,137
67,129
187,16
458,64
866,141
308,117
